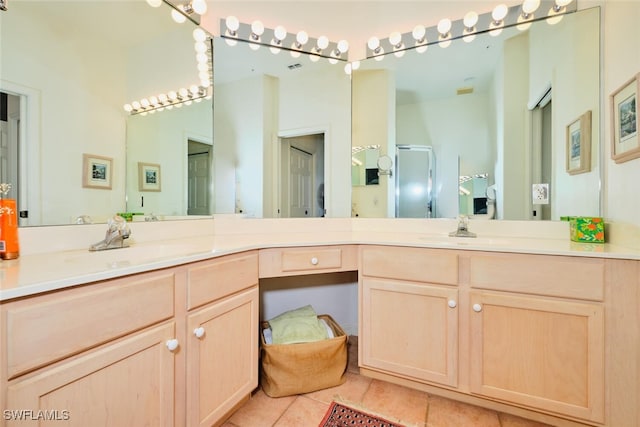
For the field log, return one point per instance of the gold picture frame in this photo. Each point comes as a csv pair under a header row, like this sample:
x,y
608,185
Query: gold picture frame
x,y
96,171
149,177
578,151
625,144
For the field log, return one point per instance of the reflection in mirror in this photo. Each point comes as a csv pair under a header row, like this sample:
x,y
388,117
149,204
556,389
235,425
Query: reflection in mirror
x,y
364,166
282,126
477,101
71,74
414,181
476,198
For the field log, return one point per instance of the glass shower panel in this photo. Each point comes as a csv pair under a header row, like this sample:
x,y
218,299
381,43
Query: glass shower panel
x,y
414,181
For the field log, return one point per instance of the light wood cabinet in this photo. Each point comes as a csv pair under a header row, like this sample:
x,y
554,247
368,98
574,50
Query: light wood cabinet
x,y
279,262
541,353
522,330
124,352
410,328
129,382
222,357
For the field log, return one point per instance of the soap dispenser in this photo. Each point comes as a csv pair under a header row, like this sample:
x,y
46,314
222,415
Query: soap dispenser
x,y
9,246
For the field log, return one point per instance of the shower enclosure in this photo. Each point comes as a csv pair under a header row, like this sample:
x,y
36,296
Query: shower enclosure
x,y
415,172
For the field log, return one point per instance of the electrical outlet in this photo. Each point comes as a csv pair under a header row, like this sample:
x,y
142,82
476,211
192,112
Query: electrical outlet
x,y
540,194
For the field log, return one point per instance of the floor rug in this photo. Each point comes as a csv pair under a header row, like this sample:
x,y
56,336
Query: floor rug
x,y
339,415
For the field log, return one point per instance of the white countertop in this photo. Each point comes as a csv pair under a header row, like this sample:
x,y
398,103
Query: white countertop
x,y
38,272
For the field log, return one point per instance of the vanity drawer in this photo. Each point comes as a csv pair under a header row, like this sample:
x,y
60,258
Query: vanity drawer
x,y
414,264
50,327
220,277
277,262
557,276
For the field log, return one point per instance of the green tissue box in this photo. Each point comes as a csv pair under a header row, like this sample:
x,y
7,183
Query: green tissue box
x,y
586,229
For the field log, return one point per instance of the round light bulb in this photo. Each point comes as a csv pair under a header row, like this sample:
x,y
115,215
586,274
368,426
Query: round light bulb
x,y
395,38
203,75
199,35
343,46
323,42
314,58
162,98
200,47
128,108
199,6
373,43
183,92
419,32
232,23
136,105
177,16
145,102
194,89
470,19
153,100
347,69
500,12
154,3
355,65
444,26
203,66
280,32
202,57
302,37
530,6
563,3
172,95
257,28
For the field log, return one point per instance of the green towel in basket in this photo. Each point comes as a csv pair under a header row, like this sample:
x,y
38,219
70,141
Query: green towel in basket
x,y
297,326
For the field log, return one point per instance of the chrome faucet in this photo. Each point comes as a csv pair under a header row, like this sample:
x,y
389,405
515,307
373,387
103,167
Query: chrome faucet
x,y
463,228
117,233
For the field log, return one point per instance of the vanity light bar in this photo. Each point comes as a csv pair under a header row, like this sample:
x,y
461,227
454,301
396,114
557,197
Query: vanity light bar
x,y
196,93
492,22
279,39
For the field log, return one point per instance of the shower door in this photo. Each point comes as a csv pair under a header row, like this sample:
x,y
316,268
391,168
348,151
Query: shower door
x,y
414,181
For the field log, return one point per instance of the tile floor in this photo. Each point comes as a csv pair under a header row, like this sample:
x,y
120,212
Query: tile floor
x,y
393,402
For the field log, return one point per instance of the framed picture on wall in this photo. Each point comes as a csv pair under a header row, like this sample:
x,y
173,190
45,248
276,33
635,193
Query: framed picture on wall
x,y
579,145
148,177
624,121
96,171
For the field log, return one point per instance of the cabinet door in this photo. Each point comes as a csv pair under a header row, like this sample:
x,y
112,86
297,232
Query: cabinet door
x,y
222,357
542,353
127,383
410,329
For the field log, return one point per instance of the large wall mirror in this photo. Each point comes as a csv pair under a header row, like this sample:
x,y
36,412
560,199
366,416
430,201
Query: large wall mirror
x,y
69,67
497,113
282,131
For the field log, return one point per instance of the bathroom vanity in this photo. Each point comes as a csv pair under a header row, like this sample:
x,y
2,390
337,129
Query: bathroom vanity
x,y
540,328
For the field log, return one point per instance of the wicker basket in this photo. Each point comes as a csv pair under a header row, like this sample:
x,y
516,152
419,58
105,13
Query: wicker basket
x,y
289,369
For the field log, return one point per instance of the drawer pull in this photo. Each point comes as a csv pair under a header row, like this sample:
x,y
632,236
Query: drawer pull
x,y
172,344
477,308
452,303
314,261
198,332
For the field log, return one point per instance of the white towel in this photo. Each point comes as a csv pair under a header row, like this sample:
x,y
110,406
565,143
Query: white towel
x,y
269,340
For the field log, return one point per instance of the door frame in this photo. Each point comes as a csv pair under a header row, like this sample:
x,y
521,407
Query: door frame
x,y
276,196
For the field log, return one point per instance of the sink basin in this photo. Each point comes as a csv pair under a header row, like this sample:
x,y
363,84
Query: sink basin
x,y
464,241
137,253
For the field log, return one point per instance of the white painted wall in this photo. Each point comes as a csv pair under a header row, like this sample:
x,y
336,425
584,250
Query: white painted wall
x,y
621,62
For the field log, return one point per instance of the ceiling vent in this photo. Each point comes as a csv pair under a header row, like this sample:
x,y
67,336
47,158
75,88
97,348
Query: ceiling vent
x,y
464,90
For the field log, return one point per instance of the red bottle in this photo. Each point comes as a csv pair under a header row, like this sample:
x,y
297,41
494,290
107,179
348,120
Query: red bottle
x,y
9,246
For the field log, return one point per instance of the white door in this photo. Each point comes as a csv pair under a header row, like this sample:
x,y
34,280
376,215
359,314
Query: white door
x,y
300,183
198,184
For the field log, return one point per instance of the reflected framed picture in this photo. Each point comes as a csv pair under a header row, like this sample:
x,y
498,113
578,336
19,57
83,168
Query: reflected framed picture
x,y
579,145
96,171
624,121
148,177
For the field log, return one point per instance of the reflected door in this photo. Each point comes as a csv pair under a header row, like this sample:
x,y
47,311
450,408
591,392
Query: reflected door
x,y
414,181
199,180
300,183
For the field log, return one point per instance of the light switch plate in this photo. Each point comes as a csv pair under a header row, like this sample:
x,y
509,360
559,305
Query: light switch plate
x,y
540,194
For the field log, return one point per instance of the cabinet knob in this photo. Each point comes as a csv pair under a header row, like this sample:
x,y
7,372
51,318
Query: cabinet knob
x,y
452,303
314,261
198,332
477,308
172,344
